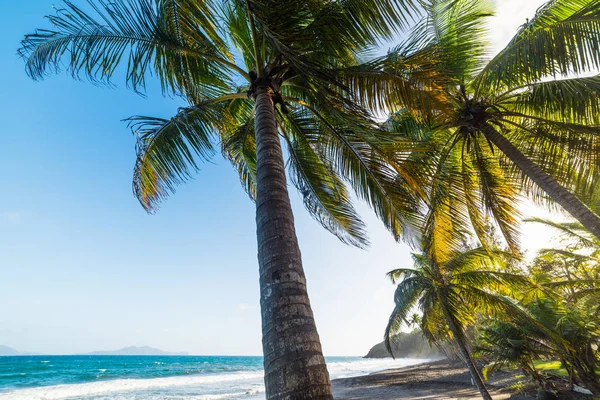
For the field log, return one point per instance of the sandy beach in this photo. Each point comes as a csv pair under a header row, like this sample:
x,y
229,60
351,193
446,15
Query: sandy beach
x,y
435,380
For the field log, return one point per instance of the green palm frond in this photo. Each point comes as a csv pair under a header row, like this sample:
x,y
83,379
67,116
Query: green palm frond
x,y
562,40
239,147
497,193
479,258
353,151
448,220
167,149
458,29
406,295
397,80
235,18
325,195
571,230
400,274
147,36
572,100
494,280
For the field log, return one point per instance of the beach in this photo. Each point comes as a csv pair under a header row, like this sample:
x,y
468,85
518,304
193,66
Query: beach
x,y
441,380
432,380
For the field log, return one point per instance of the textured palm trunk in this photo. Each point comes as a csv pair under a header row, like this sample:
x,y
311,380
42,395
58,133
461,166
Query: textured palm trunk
x,y
293,360
547,183
462,348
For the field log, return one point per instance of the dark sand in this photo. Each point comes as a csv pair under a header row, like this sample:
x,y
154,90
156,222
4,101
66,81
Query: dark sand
x,y
435,380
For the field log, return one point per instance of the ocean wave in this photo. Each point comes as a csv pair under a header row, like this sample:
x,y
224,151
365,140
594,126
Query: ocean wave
x,y
217,386
342,369
86,390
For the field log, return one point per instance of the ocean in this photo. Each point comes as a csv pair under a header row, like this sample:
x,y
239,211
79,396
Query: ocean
x,y
153,377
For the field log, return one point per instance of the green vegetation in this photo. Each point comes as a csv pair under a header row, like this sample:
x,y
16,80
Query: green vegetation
x,y
548,323
523,122
551,367
407,345
447,291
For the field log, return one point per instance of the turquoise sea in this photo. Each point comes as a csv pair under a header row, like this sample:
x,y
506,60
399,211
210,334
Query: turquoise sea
x,y
153,377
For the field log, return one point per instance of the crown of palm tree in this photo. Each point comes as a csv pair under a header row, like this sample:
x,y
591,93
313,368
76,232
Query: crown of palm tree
x,y
531,95
468,281
213,54
451,292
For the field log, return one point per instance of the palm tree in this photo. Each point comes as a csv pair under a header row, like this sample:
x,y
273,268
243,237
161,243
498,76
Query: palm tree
x,y
568,331
570,305
234,62
524,120
507,344
449,293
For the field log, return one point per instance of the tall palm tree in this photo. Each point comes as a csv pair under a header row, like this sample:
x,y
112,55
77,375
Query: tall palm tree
x,y
252,71
525,119
449,293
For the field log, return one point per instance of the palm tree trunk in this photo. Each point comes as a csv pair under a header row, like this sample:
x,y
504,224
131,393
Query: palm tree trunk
x,y
557,192
462,348
293,359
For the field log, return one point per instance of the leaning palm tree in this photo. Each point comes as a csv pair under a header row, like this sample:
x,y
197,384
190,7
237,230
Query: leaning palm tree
x,y
449,294
252,71
523,120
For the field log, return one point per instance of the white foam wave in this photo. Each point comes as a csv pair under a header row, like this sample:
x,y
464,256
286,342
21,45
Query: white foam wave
x,y
85,390
236,385
366,366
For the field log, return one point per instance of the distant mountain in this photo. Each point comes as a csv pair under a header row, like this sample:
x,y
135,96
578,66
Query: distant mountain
x,y
407,345
9,351
135,351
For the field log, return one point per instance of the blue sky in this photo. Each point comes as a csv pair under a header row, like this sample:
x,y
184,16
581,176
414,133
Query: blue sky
x,y
83,267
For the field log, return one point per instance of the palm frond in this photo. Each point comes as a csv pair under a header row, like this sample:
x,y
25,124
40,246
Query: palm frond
x,y
573,100
167,149
238,145
324,193
144,36
458,29
498,194
406,295
351,145
557,44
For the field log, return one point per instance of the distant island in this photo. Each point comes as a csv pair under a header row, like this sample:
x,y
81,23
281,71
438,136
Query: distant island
x,y
9,351
135,351
126,351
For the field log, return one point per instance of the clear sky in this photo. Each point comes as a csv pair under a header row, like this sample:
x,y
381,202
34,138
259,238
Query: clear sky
x,y
83,267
